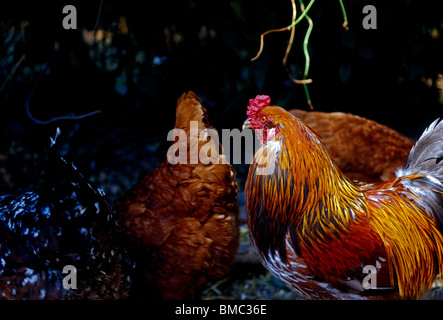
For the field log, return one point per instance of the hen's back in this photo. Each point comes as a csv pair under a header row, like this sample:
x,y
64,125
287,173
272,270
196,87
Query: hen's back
x,y
181,219
363,149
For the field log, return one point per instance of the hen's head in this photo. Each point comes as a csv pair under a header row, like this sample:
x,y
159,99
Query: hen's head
x,y
261,118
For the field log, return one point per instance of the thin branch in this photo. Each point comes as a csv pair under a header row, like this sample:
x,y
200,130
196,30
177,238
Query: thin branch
x,y
292,25
306,41
38,121
345,16
307,57
14,69
294,22
291,37
305,12
98,17
288,49
262,40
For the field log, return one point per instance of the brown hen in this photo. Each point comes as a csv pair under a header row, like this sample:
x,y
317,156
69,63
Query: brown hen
x,y
182,219
363,149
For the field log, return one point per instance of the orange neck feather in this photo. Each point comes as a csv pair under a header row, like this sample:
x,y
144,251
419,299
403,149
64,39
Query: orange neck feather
x,y
306,191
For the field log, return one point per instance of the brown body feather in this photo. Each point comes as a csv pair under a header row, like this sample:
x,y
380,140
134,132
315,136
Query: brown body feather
x,y
363,149
182,218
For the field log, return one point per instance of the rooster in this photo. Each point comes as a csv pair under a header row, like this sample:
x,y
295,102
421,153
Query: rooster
x,y
181,220
320,232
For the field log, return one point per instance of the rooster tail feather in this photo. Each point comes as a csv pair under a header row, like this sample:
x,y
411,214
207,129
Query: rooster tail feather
x,y
425,168
427,154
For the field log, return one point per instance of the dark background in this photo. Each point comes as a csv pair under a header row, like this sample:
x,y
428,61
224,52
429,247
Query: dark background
x,y
146,54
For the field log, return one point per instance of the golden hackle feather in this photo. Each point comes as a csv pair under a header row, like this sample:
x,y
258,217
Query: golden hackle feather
x,y
304,174
414,245
339,224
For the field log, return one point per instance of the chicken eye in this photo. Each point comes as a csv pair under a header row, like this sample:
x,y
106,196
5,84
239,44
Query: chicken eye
x,y
263,119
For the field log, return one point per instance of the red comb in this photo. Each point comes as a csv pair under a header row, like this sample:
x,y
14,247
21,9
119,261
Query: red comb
x,y
258,103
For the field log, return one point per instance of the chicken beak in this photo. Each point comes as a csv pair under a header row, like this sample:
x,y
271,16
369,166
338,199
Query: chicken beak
x,y
246,125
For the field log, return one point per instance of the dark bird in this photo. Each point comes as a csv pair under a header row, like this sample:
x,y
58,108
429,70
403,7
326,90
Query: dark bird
x,y
67,223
